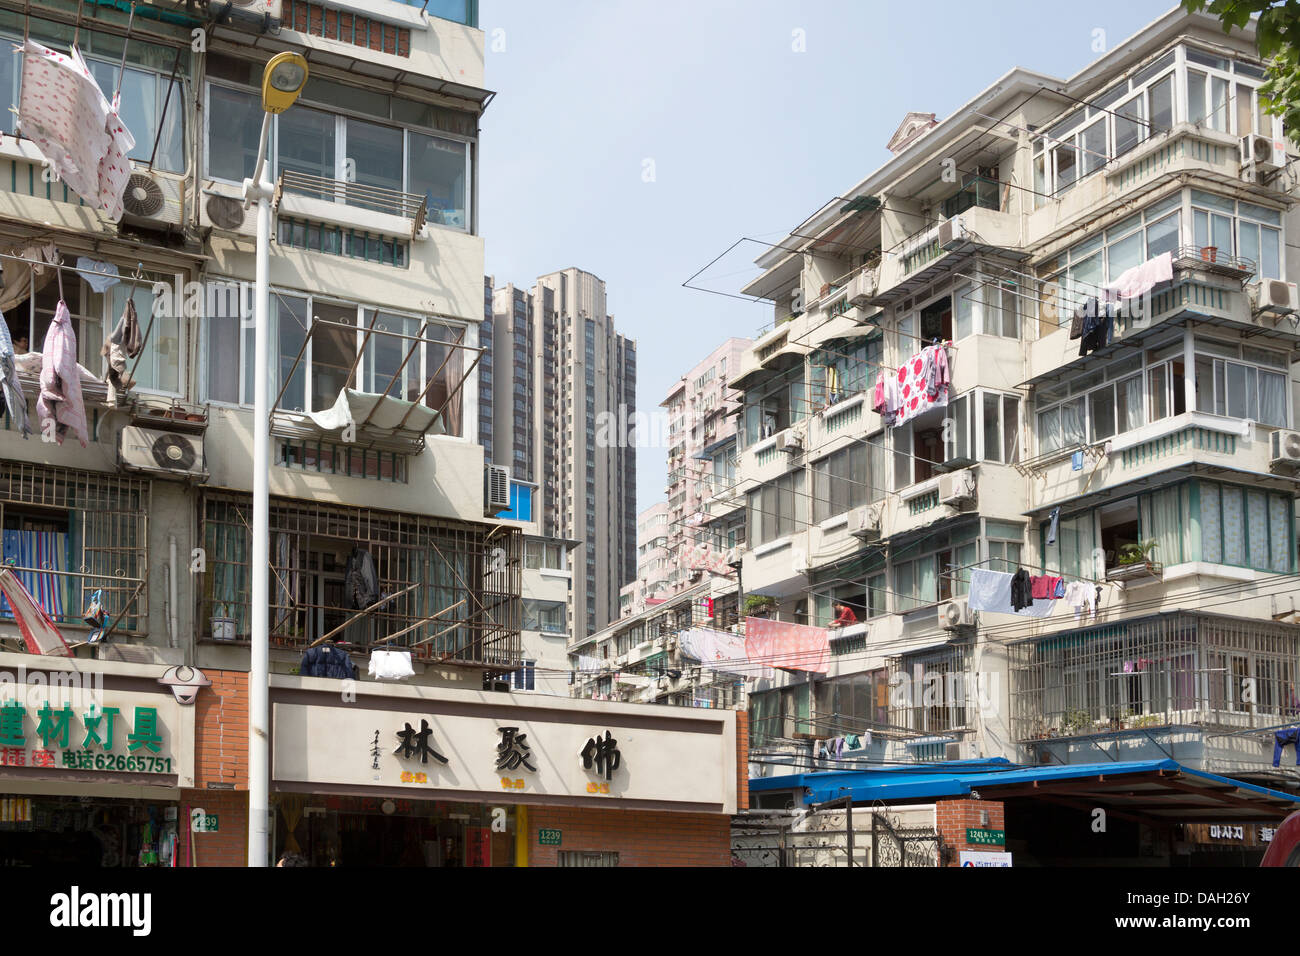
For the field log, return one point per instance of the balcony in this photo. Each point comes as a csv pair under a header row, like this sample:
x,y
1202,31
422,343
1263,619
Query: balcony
x,y
938,249
374,209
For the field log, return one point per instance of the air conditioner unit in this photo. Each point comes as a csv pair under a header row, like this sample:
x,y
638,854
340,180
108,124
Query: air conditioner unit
x,y
959,750
733,557
864,522
955,614
790,442
862,288
154,200
260,15
1284,451
161,452
952,232
1262,154
223,211
496,494
1274,296
957,488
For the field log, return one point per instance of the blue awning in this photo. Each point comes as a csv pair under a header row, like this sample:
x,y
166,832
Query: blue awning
x,y
1161,789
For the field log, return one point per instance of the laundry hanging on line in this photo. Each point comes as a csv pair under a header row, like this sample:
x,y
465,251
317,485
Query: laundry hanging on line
x,y
990,591
921,383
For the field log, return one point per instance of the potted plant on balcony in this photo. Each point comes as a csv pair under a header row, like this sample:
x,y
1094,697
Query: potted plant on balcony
x,y
1076,722
1134,561
759,605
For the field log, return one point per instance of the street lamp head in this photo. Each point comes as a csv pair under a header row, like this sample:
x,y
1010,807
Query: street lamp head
x,y
282,80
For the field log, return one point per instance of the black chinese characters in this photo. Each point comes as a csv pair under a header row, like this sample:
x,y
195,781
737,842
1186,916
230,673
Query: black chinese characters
x,y
603,753
417,744
513,750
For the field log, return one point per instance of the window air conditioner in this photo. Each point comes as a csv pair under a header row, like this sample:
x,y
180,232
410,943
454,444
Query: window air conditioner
x,y
497,492
790,442
955,614
259,15
959,750
952,232
1275,296
1284,451
154,200
864,522
1262,154
957,488
733,557
161,452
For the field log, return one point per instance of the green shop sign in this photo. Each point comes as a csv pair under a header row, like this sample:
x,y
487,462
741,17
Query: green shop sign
x,y
49,737
987,837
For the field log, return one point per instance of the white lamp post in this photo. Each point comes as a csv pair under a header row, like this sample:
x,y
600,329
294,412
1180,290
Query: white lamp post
x,y
282,81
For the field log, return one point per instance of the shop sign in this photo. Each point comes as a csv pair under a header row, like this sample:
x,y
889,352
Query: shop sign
x,y
1229,834
601,754
50,737
548,837
203,822
984,858
986,837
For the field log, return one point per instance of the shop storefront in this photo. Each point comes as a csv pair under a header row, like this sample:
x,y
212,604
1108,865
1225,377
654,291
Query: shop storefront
x,y
93,761
430,776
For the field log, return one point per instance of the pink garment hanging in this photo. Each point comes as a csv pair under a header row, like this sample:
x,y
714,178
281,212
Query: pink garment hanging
x,y
794,647
38,631
60,396
1142,279
914,394
878,395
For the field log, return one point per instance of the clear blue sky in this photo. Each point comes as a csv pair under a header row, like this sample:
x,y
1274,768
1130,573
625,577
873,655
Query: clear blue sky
x,y
747,136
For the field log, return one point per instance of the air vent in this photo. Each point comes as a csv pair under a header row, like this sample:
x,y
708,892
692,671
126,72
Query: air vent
x,y
497,492
143,197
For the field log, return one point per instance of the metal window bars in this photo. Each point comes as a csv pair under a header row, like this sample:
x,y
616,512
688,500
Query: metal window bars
x,y
98,526
449,590
1179,668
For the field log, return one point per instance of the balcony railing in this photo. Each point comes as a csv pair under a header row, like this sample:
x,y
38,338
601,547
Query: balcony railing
x,y
393,202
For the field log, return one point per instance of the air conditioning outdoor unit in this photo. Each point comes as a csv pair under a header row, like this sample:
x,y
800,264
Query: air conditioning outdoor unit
x,y
955,614
864,522
1284,451
259,15
154,200
496,494
733,557
223,211
862,288
957,488
1262,154
790,442
952,232
959,750
1274,296
161,452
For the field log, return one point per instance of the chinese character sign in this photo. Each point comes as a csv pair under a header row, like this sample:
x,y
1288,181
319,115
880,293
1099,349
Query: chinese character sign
x,y
602,754
513,750
415,744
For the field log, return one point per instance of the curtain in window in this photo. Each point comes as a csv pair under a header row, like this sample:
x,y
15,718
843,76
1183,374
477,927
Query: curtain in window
x,y
1163,522
1234,527
47,550
1279,534
1049,431
1072,431
1076,544
227,544
1131,393
927,580
1211,529
1257,523
1272,399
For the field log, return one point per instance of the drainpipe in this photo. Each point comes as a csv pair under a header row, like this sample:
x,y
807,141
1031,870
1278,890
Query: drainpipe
x,y
172,629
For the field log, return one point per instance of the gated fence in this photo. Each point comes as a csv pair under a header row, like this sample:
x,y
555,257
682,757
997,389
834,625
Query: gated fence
x,y
885,837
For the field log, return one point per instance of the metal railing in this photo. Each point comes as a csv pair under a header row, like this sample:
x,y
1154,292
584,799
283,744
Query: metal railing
x,y
413,206
1212,258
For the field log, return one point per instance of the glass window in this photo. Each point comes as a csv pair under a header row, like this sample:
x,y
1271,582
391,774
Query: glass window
x,y
141,108
291,331
159,366
307,145
1066,168
1092,143
1162,237
1161,96
439,169
1130,127
374,158
222,337
1195,96
1101,414
963,322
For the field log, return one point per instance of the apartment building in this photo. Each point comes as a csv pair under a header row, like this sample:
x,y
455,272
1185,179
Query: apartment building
x,y
564,401
387,532
653,562
1154,468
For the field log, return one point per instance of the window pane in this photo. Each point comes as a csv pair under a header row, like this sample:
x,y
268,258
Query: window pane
x,y
962,322
9,73
1279,533
1238,406
374,155
1272,398
1129,127
1162,104
1162,236
437,169
1093,143
992,433
1049,431
384,356
1072,430
221,340
1269,258
1211,532
333,353
1066,171
1234,527
1124,255
1010,315
1010,429
307,145
1218,118
292,329
160,361
1101,410
1129,405
1195,96
1244,111
1157,390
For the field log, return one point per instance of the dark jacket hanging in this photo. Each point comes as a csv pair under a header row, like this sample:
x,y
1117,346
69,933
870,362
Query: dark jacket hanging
x,y
1021,590
327,661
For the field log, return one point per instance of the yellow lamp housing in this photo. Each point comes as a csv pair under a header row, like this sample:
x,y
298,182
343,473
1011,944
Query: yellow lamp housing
x,y
282,80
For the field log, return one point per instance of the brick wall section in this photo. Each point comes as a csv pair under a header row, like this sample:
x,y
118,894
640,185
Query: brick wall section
x,y
229,845
221,731
742,760
953,817
639,837
305,17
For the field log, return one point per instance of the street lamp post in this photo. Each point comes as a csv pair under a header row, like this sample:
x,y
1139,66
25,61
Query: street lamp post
x,y
282,81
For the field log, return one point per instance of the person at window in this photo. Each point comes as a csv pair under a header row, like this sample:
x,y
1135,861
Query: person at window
x,y
21,343
844,616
